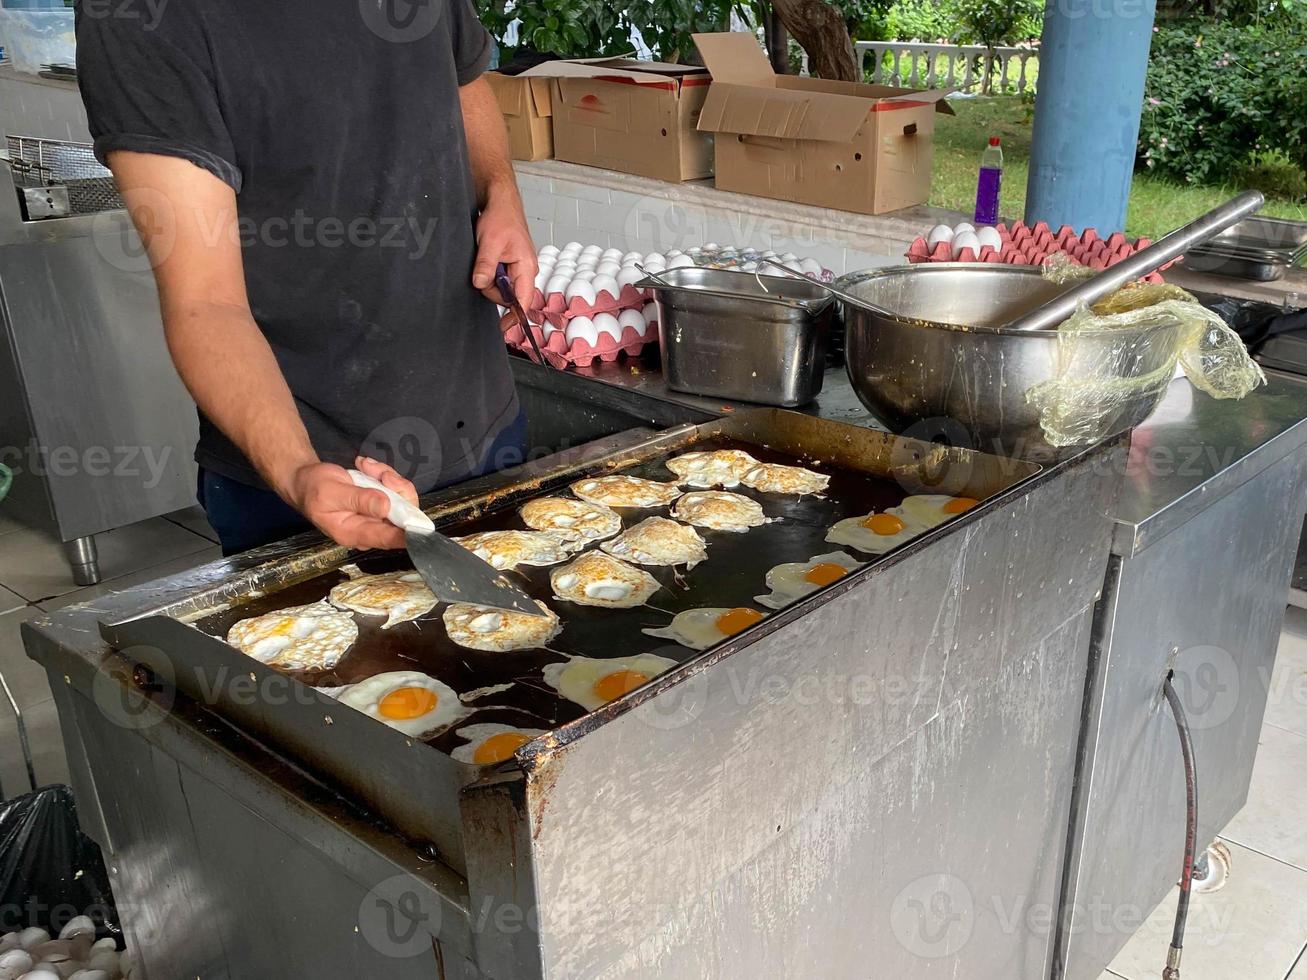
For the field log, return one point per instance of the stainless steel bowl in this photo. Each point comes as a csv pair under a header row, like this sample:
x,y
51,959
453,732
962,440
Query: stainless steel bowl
x,y
929,356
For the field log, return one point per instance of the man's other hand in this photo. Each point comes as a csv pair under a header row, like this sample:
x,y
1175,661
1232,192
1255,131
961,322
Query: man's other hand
x,y
502,236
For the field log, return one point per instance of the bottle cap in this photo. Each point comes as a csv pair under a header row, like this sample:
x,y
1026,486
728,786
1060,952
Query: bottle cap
x,y
993,141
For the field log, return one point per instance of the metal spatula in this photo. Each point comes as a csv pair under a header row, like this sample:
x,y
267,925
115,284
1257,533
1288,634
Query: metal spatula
x,y
452,572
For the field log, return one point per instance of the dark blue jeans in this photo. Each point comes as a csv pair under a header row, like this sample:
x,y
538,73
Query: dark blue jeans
x,y
246,517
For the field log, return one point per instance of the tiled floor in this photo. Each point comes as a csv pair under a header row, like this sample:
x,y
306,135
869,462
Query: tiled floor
x,y
34,577
1255,928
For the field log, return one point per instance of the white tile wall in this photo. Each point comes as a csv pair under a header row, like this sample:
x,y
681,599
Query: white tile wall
x,y
565,202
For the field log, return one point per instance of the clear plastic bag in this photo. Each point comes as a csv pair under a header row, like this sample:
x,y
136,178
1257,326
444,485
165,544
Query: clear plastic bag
x,y
1116,359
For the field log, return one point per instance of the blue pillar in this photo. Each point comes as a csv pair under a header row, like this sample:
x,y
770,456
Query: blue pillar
x,y
1092,64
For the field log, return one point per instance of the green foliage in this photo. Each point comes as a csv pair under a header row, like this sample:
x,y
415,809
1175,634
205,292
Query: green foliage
x,y
994,22
1274,174
1216,93
924,20
592,28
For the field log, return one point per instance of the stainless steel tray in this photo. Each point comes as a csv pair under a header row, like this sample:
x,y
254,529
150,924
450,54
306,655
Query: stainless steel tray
x,y
415,785
1260,249
742,336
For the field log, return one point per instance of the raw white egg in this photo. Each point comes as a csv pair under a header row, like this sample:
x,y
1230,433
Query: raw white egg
x,y
631,257
593,683
584,275
657,257
604,283
965,239
594,250
606,323
655,268
940,233
810,267
673,253
608,267
582,328
633,319
990,236
580,289
547,329
573,248
549,250
788,256
793,581
680,262
557,283
700,629
542,279
587,262
962,226
612,254
650,313
629,276
406,700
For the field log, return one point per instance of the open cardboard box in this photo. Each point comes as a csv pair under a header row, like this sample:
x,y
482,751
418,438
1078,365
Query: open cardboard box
x,y
844,145
527,105
638,117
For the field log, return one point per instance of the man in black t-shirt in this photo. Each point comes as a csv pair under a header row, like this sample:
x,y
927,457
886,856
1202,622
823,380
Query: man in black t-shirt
x,y
324,191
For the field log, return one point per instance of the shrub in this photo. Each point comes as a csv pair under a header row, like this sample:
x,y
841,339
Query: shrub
x,y
1217,93
1274,174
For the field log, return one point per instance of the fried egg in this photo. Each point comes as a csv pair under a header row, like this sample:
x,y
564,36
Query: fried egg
x,y
505,550
406,700
573,523
700,629
718,510
620,490
791,582
489,744
777,478
312,637
499,630
874,533
596,579
720,468
658,541
593,683
399,596
932,509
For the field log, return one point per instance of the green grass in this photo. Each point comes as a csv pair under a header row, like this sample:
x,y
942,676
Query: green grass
x,y
1156,205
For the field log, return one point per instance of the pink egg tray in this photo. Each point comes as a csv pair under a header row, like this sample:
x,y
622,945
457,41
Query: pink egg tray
x,y
550,315
1031,245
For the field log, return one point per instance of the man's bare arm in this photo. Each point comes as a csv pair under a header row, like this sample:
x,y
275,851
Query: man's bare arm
x,y
188,220
502,234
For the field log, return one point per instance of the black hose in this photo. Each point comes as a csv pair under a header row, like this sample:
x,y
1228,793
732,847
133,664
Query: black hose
x,y
1172,971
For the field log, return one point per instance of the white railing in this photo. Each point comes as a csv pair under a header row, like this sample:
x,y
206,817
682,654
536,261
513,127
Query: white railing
x,y
966,67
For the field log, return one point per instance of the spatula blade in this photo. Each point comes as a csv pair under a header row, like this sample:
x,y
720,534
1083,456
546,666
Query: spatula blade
x,y
455,574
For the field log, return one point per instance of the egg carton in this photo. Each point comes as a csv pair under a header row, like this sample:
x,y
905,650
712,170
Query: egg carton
x,y
1022,244
730,258
580,340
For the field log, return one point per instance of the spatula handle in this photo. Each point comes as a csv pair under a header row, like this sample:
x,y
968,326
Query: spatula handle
x,y
402,514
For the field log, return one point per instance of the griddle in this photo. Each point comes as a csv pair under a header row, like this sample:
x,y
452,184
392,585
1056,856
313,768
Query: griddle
x,y
414,784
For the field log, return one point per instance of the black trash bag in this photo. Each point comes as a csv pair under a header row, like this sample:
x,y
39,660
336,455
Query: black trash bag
x,y
1255,322
50,871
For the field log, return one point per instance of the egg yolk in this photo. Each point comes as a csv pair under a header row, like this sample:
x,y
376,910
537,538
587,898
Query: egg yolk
x,y
619,682
825,573
884,524
737,620
960,505
405,703
499,747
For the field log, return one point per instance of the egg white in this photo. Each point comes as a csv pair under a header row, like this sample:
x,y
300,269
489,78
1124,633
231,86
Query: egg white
x,y
719,510
719,468
477,734
309,637
366,696
596,579
573,523
620,490
505,550
658,541
924,510
788,585
576,677
399,596
778,478
853,533
693,628
499,630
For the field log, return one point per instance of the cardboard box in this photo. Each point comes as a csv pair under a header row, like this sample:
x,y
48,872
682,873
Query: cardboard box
x,y
844,145
527,105
637,117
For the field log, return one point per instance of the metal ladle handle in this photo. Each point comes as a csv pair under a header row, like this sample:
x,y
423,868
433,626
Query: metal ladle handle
x,y
1058,310
833,290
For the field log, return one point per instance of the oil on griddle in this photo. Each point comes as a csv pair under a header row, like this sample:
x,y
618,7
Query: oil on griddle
x,y
732,576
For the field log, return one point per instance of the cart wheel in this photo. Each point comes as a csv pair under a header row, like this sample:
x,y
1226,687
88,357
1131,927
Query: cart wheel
x,y
1214,865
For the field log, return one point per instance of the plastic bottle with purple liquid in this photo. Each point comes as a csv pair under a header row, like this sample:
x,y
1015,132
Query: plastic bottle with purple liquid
x,y
989,185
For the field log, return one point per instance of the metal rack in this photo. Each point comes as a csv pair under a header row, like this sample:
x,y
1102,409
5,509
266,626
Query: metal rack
x,y
37,162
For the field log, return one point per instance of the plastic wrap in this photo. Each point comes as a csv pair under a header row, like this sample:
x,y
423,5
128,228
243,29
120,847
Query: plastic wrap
x,y
50,871
39,36
1116,359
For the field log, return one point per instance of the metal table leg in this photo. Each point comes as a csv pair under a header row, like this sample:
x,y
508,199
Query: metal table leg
x,y
84,560
22,736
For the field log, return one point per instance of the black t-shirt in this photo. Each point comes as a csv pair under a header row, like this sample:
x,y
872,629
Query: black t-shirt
x,y
337,122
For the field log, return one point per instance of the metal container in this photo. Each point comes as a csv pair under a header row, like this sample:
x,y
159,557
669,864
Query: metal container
x,y
928,355
1259,249
736,335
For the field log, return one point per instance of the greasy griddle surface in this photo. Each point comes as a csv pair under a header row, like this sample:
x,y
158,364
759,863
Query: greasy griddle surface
x,y
733,574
